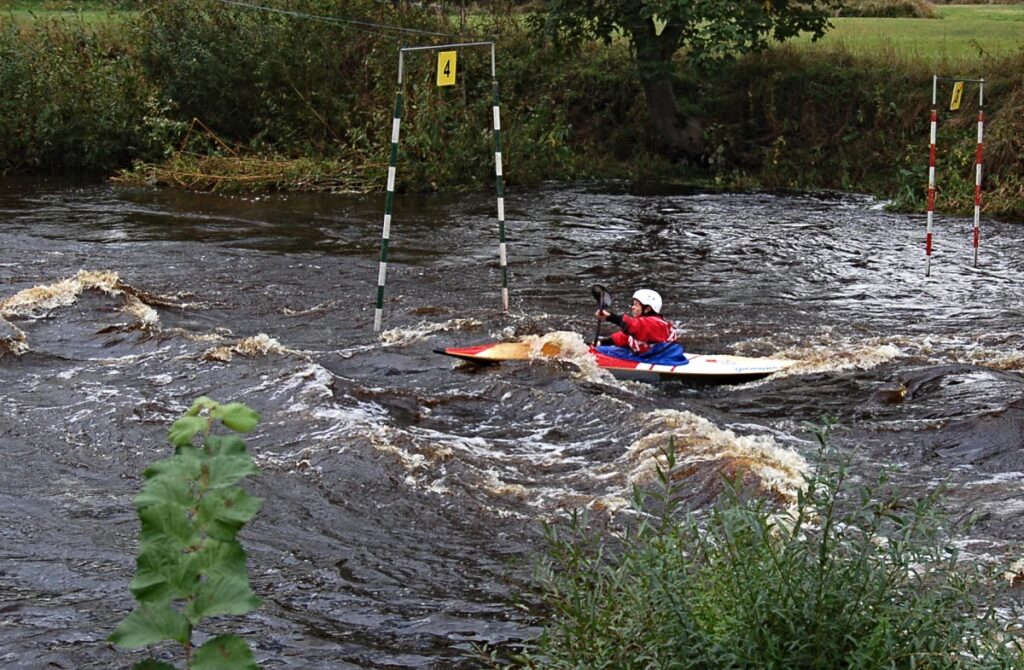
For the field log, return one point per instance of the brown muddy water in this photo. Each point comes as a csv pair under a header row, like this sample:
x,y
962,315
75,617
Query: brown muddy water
x,y
404,492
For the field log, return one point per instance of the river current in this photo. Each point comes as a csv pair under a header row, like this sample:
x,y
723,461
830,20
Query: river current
x,y
403,491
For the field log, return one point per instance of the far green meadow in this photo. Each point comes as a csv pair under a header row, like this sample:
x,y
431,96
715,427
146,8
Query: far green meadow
x,y
961,34
26,12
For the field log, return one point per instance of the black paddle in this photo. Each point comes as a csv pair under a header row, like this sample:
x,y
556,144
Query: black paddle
x,y
604,301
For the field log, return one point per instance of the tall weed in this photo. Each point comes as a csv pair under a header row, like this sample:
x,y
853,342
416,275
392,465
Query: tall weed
x,y
846,578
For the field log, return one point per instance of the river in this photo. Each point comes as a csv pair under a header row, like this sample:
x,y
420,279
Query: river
x,y
403,492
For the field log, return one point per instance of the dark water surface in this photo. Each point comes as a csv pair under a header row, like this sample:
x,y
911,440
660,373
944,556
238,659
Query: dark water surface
x,y
403,492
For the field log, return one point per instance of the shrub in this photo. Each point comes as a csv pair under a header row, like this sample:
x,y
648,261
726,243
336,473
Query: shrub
x,y
73,100
843,580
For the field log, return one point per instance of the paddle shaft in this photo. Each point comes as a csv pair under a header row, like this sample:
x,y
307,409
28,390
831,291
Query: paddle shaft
x,y
604,300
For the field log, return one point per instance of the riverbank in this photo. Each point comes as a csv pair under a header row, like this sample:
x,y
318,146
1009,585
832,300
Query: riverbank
x,y
223,98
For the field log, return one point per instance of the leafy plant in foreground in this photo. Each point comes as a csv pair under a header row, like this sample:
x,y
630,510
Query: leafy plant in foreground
x,y
859,578
190,564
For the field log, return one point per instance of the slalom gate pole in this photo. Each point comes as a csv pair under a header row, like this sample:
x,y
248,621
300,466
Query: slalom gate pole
x,y
500,188
392,163
389,202
931,177
977,169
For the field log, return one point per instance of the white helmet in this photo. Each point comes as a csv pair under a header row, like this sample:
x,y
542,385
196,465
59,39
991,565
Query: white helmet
x,y
646,296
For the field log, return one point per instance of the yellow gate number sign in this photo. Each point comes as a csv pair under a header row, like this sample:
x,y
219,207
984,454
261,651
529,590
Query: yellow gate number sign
x,y
958,92
446,68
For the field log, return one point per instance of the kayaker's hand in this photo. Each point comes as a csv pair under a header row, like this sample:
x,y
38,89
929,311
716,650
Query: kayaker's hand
x,y
601,314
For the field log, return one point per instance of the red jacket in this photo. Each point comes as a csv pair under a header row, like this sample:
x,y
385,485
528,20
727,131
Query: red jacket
x,y
639,333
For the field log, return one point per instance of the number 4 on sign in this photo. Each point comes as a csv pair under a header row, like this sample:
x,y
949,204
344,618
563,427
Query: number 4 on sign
x,y
958,93
446,68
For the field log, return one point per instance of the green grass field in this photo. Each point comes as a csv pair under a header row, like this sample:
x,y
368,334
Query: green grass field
x,y
26,12
963,34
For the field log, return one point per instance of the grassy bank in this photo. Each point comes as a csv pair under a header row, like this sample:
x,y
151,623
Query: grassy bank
x,y
210,96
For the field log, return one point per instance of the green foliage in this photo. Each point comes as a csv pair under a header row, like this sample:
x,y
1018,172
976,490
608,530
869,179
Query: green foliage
x,y
801,121
296,85
190,564
708,32
206,96
659,28
841,579
73,99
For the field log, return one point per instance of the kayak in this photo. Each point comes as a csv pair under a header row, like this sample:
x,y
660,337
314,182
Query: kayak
x,y
703,368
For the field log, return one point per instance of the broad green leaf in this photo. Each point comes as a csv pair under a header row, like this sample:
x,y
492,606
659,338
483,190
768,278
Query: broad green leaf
x,y
201,403
224,471
163,574
235,504
222,595
185,464
222,513
227,652
168,523
225,445
150,664
166,489
221,558
239,417
185,429
148,625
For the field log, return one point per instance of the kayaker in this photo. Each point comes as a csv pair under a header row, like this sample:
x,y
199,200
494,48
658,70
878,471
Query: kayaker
x,y
644,335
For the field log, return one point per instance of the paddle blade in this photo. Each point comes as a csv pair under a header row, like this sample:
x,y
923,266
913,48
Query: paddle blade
x,y
602,296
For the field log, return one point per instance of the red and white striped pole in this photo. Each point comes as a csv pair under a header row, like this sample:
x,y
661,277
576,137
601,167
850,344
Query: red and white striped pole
x,y
977,169
931,177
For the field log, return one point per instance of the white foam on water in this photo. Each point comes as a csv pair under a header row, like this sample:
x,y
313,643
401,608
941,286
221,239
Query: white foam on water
x,y
162,379
35,301
824,353
994,358
334,426
260,344
697,440
497,468
13,340
827,352
324,306
1002,502
813,359
569,347
146,315
38,301
530,470
408,335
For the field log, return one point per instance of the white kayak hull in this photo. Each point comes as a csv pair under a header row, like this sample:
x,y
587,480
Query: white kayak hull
x,y
703,368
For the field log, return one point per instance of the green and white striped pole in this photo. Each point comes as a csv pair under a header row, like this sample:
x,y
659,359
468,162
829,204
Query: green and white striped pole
x,y
389,202
499,184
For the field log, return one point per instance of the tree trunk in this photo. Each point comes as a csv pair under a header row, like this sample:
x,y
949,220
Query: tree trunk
x,y
670,132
